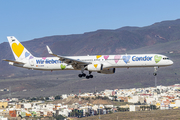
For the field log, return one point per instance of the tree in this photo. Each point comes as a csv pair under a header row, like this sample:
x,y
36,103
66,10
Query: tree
x,y
80,114
57,97
32,99
87,114
76,113
60,117
47,98
110,108
106,98
137,103
98,97
88,98
153,107
110,112
141,108
72,114
115,97
148,107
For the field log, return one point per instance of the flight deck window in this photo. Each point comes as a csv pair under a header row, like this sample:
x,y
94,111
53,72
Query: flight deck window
x,y
165,58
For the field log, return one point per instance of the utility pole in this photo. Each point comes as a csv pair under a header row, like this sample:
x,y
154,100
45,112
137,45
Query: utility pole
x,y
9,91
99,113
155,81
79,97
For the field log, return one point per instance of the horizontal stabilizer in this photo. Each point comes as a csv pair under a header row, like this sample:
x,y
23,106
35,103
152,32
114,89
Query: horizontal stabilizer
x,y
13,61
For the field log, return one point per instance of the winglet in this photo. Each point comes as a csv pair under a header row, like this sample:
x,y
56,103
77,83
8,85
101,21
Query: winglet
x,y
49,50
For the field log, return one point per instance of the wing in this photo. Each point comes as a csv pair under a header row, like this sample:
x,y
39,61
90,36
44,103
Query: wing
x,y
13,61
67,60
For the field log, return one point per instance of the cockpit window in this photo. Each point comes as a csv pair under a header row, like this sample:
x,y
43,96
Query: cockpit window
x,y
165,58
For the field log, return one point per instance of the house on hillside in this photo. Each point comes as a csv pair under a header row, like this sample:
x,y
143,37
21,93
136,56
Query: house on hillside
x,y
3,104
64,96
4,113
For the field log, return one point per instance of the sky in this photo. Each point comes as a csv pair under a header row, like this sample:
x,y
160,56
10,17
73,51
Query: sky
x,y
30,19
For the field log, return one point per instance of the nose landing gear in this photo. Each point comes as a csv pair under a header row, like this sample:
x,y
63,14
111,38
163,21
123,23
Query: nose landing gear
x,y
154,74
155,71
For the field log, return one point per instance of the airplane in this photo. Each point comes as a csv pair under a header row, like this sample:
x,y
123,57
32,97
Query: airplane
x,y
104,64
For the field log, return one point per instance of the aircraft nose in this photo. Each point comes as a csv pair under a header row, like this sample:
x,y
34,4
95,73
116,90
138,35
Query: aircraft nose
x,y
171,62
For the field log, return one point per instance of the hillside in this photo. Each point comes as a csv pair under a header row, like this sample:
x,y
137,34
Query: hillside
x,y
92,101
162,37
139,115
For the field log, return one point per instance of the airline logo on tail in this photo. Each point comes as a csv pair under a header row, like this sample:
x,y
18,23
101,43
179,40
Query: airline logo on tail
x,y
17,49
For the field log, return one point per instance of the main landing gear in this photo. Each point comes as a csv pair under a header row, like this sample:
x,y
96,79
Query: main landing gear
x,y
155,71
87,76
82,75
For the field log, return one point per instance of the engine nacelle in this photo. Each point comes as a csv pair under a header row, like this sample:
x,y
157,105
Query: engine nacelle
x,y
107,71
94,67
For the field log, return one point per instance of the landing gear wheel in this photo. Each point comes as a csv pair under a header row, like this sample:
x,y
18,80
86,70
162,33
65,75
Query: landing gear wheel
x,y
80,75
90,76
87,77
84,75
154,74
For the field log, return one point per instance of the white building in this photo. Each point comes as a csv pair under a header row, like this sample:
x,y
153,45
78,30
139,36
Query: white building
x,y
27,105
134,108
64,112
64,96
133,99
177,102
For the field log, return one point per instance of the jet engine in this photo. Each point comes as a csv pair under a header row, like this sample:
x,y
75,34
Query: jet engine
x,y
107,71
94,67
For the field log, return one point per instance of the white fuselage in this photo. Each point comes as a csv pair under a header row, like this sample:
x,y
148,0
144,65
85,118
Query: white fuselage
x,y
108,61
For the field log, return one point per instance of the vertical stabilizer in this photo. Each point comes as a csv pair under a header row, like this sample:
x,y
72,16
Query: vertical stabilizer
x,y
19,51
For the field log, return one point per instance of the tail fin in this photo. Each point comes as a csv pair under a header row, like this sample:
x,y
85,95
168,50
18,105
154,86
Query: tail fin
x,y
19,51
